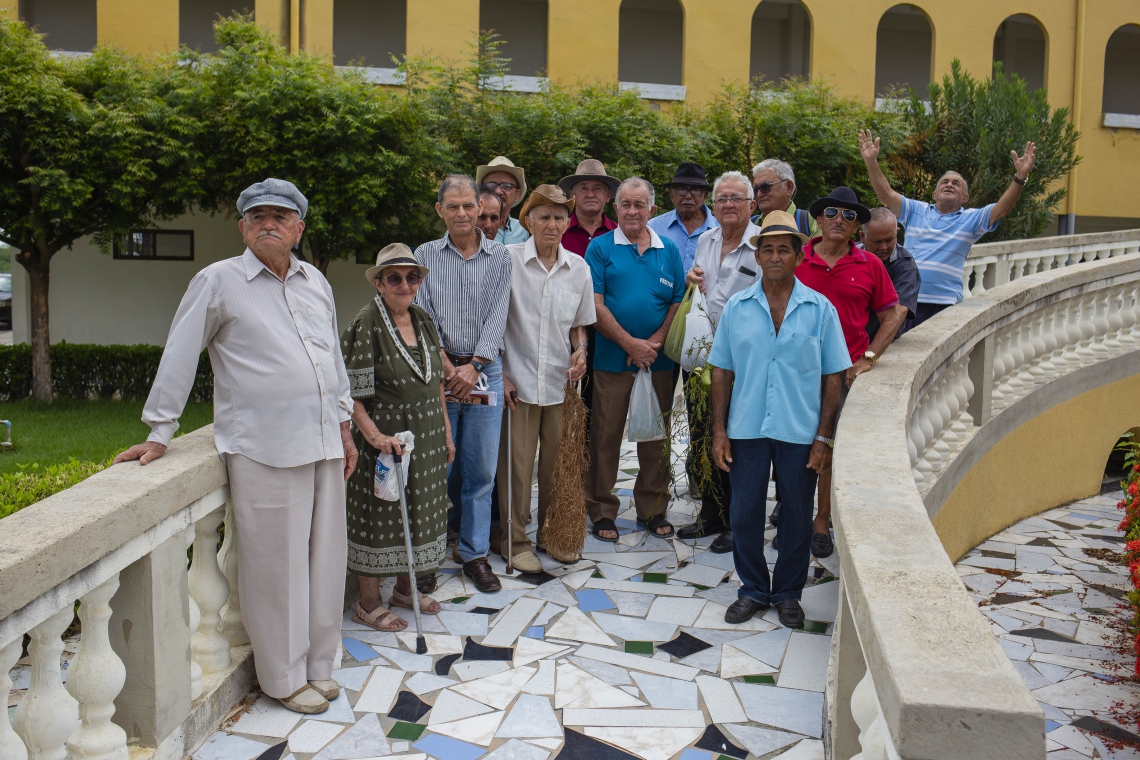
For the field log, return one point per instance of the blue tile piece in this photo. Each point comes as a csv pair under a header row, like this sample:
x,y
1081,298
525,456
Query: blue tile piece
x,y
1050,725
625,492
624,523
535,632
694,754
635,579
446,748
590,600
360,651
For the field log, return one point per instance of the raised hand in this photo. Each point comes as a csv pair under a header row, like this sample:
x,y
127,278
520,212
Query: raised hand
x,y
868,145
1023,164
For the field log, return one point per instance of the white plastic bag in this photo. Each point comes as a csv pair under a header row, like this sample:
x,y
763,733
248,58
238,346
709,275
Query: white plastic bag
x,y
385,485
698,334
645,420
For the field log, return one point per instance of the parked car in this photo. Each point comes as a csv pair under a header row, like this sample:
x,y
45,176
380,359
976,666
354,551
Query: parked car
x,y
6,300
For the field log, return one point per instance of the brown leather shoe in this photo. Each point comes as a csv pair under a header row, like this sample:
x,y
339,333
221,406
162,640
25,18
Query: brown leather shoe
x,y
426,583
455,553
479,570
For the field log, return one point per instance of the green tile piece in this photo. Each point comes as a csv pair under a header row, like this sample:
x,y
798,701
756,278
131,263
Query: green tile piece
x,y
639,647
826,579
759,679
1096,611
630,472
699,586
409,731
596,574
654,578
460,599
725,757
815,626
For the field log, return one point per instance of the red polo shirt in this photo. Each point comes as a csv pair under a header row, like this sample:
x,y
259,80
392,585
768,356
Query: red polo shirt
x,y
857,285
578,240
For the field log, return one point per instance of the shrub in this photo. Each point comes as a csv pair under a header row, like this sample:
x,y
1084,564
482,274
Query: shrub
x,y
34,483
1130,527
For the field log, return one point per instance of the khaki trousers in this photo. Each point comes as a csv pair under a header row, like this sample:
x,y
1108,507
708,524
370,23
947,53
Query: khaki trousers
x,y
607,425
533,428
291,567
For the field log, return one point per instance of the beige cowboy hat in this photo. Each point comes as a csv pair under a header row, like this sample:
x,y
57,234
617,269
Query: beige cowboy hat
x,y
591,168
778,223
545,195
394,255
502,164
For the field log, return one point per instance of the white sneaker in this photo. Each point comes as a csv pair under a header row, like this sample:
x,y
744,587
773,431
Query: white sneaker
x,y
527,562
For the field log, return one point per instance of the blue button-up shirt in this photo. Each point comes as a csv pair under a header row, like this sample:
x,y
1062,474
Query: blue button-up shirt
x,y
670,226
776,391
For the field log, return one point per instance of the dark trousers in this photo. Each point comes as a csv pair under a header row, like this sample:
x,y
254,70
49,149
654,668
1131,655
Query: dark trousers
x,y
716,495
926,311
752,460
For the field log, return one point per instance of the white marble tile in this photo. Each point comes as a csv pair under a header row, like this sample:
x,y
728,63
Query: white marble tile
x,y
436,643
790,709
575,626
711,636
1085,693
450,707
805,662
340,711
704,575
723,561
352,678
380,691
636,587
821,601
552,610
576,687
1070,663
511,624
683,550
807,749
313,735
553,591
223,746
611,674
1074,739
761,741
633,605
379,638
517,750
364,740
767,647
499,599
634,629
647,717
734,663
531,717
478,730
497,690
464,623
542,682
268,718
426,683
638,662
407,661
706,659
659,744
576,579
679,611
630,690
667,693
712,616
617,572
471,671
634,559
529,650
721,701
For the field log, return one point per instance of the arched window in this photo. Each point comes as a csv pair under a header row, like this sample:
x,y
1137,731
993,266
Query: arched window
x,y
67,24
1020,46
522,28
1122,71
903,48
369,32
781,40
196,20
651,40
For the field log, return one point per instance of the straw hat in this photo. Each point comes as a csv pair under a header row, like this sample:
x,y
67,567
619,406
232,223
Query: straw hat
x,y
394,255
545,195
502,164
591,168
778,223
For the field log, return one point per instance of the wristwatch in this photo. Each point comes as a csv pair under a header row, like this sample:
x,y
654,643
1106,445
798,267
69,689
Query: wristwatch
x,y
829,441
871,357
1020,181
478,365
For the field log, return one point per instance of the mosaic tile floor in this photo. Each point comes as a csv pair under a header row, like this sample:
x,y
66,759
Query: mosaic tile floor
x,y
1048,596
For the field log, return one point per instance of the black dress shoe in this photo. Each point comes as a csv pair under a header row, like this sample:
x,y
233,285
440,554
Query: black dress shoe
x,y
722,544
774,518
791,613
700,529
743,609
821,545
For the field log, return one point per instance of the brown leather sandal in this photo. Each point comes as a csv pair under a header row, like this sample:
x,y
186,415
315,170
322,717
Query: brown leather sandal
x,y
428,606
380,619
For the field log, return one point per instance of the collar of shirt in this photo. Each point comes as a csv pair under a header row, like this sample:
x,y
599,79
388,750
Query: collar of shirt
x,y
854,255
800,294
716,235
482,243
607,225
654,238
709,222
530,253
255,266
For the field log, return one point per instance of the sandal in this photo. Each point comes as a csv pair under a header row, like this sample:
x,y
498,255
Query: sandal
x,y
604,524
428,606
378,619
653,523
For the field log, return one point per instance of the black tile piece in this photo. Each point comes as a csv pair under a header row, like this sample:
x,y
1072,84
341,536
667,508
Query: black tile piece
x,y
1107,730
1066,526
1009,599
581,747
684,645
817,572
997,554
1042,633
1115,593
1039,541
485,611
536,578
476,651
274,752
1114,539
443,664
714,741
409,708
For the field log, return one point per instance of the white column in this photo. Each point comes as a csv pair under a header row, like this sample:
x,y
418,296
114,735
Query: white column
x,y
967,392
195,619
211,590
922,472
942,413
95,678
931,425
997,396
1073,333
1128,318
1019,379
47,715
231,627
979,279
1100,323
1060,338
1037,339
1115,320
11,748
1088,329
874,738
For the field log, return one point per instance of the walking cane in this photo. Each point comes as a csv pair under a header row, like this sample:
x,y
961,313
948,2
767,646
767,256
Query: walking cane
x,y
510,501
421,644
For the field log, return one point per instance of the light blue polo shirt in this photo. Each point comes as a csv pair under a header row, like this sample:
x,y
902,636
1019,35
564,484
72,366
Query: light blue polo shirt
x,y
511,232
669,226
638,291
940,244
776,390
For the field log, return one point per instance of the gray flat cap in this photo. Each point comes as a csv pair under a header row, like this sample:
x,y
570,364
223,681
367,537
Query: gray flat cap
x,y
273,192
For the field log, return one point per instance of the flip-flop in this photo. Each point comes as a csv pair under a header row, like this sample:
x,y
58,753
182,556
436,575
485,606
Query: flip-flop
x,y
378,619
604,524
428,606
653,523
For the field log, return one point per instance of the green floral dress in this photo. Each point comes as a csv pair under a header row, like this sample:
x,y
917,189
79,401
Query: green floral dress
x,y
400,391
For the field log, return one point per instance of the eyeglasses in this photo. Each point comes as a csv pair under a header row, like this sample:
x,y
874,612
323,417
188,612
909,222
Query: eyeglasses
x,y
394,279
506,186
687,190
849,215
735,200
764,187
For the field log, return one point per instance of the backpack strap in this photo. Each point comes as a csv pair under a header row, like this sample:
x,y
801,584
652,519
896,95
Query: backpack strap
x,y
803,222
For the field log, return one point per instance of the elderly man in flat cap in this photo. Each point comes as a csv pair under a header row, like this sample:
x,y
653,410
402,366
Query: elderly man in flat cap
x,y
281,422
507,181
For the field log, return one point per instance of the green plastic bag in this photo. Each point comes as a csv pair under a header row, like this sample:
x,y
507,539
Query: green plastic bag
x,y
675,340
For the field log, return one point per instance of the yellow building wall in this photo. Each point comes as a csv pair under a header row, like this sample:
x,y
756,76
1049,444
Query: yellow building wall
x,y
143,26
1057,457
582,43
446,29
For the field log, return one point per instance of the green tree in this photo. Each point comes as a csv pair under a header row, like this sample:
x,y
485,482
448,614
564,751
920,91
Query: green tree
x,y
970,127
89,146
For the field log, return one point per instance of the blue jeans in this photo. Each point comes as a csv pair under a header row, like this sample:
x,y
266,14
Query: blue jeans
x,y
752,461
475,430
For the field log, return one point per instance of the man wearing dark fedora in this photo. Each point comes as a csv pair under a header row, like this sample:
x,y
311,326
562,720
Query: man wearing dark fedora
x,y
857,284
690,217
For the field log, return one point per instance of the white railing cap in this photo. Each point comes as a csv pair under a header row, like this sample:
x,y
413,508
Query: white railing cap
x,y
1049,244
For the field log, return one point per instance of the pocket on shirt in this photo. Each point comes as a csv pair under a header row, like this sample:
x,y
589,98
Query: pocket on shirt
x,y
803,353
566,307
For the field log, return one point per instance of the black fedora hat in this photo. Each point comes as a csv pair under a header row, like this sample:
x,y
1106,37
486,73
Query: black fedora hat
x,y
840,197
689,173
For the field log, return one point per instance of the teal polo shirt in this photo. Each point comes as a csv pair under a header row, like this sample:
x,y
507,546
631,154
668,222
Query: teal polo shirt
x,y
638,291
776,390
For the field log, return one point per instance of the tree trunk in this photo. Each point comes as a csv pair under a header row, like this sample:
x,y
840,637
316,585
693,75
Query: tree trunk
x,y
319,261
38,268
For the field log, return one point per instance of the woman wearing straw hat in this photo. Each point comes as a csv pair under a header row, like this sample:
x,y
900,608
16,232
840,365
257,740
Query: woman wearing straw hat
x,y
392,354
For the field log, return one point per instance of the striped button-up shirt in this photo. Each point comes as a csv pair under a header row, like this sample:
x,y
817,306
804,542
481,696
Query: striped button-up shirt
x,y
280,387
467,298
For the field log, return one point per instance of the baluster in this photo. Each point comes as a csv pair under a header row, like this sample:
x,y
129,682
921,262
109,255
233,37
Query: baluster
x,y
919,466
231,627
1136,311
47,715
1088,329
1060,338
11,748
943,416
1034,264
966,388
950,401
1073,334
1100,323
997,397
1016,386
1127,318
931,426
966,270
1037,339
1049,341
1048,262
211,589
874,737
195,619
95,678
1115,303
1025,344
980,278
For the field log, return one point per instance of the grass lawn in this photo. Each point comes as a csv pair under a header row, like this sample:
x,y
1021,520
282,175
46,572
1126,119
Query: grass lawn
x,y
90,431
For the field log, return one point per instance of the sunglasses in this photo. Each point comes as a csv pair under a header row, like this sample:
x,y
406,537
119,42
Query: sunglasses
x,y
849,215
764,187
507,186
396,278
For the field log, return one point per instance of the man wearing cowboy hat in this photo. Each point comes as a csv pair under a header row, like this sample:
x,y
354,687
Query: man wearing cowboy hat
x,y
857,284
778,355
552,300
690,217
281,409
508,182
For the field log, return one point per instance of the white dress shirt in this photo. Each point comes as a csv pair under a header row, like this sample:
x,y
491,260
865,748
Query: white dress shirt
x,y
280,387
544,306
725,278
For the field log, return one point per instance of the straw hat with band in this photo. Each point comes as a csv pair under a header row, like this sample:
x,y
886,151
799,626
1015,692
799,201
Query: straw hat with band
x,y
545,195
502,164
840,197
589,169
778,223
394,255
